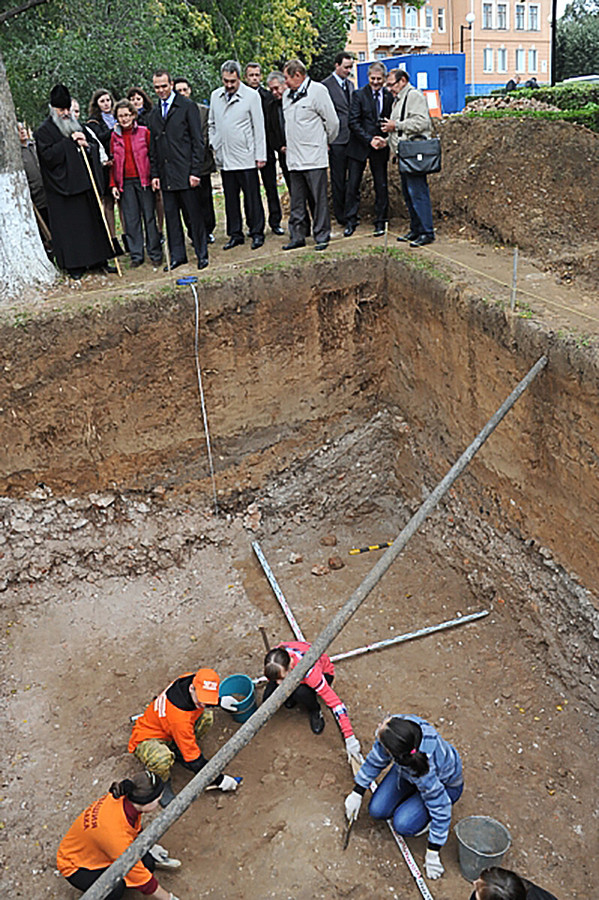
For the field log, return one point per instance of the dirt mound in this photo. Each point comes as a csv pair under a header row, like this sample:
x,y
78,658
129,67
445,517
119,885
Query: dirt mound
x,y
524,181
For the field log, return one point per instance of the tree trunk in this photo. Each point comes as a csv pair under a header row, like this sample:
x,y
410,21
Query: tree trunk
x,y
23,260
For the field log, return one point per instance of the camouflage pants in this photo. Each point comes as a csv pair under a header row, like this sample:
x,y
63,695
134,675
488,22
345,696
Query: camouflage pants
x,y
158,757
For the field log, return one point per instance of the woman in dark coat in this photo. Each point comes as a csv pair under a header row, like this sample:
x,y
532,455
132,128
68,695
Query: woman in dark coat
x,y
101,121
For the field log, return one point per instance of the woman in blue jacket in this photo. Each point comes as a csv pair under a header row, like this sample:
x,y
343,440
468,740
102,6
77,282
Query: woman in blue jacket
x,y
419,790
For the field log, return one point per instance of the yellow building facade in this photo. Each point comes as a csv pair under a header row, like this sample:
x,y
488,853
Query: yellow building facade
x,y
500,38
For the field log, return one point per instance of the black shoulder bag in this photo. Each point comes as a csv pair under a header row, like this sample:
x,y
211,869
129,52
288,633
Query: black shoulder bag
x,y
418,156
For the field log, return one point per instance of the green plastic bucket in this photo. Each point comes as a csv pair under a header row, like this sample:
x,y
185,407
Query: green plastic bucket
x,y
242,686
482,842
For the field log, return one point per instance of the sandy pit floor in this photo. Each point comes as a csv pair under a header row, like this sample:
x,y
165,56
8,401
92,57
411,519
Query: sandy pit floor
x,y
79,656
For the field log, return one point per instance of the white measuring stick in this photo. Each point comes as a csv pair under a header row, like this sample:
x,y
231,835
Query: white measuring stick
x,y
430,629
278,592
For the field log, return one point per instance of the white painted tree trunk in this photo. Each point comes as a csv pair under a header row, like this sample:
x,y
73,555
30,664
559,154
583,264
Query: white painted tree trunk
x,y
23,260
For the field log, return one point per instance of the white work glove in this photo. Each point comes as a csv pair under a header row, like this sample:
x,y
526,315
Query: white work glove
x,y
353,802
229,703
433,865
352,745
228,783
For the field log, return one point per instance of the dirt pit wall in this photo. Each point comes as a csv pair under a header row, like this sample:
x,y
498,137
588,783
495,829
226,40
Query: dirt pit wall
x,y
110,399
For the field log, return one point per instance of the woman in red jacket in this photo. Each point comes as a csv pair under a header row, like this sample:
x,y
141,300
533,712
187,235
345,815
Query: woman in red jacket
x,y
130,183
103,832
317,682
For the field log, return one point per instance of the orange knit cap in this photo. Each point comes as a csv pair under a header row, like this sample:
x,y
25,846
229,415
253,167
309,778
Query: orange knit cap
x,y
206,683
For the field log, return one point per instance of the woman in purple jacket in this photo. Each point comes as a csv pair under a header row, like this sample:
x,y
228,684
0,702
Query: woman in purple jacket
x,y
418,792
130,183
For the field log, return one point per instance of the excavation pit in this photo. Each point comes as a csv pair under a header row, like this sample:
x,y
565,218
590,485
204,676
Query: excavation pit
x,y
337,394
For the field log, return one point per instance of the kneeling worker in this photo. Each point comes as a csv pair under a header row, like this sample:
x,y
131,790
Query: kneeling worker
x,y
173,724
285,657
103,832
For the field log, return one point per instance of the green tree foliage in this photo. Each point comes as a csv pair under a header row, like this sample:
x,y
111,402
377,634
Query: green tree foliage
x,y
578,40
118,43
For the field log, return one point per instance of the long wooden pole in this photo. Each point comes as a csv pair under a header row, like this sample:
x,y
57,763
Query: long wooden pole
x,y
101,207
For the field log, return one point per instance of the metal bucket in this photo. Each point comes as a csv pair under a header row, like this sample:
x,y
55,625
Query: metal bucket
x,y
482,842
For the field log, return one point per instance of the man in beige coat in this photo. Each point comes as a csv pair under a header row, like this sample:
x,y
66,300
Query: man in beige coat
x,y
238,141
410,119
311,124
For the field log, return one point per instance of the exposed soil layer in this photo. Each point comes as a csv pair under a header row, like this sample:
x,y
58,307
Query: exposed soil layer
x,y
337,395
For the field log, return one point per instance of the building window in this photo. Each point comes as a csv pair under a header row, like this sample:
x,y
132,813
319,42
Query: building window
x,y
411,17
502,60
441,19
382,55
379,17
359,18
502,16
428,14
532,61
487,59
533,18
395,13
361,56
520,16
520,59
487,15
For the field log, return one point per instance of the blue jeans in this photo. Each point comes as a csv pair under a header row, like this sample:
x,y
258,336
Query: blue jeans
x,y
416,195
399,799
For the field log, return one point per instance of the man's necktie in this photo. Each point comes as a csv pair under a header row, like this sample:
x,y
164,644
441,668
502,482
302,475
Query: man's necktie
x,y
377,98
346,88
164,108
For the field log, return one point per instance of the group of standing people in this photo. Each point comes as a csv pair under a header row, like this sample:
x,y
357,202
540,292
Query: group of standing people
x,y
156,160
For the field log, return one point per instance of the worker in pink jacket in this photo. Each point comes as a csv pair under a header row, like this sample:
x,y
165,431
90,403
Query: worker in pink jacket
x,y
318,680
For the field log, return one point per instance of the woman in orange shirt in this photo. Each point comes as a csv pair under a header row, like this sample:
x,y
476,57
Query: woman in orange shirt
x,y
103,832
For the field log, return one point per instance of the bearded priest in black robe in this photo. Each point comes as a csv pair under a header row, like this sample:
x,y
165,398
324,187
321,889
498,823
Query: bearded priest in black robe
x,y
79,236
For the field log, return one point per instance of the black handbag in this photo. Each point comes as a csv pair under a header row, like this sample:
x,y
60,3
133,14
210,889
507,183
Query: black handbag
x,y
418,156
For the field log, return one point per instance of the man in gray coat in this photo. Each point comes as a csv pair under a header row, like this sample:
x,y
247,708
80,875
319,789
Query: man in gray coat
x,y
341,89
238,141
311,124
410,119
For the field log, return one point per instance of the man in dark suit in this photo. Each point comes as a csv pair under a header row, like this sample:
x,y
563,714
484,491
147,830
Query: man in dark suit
x,y
341,89
183,87
268,172
369,105
176,158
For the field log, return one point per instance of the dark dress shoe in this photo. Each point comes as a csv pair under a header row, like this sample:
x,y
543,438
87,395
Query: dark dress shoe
x,y
276,229
175,263
379,230
202,263
211,239
75,274
316,721
136,263
349,230
410,236
233,242
422,240
108,269
322,245
257,242
294,245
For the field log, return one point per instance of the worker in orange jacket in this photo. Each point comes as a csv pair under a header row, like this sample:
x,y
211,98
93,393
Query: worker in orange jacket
x,y
103,832
173,724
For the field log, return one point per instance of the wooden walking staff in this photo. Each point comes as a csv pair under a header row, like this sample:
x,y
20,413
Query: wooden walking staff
x,y
98,198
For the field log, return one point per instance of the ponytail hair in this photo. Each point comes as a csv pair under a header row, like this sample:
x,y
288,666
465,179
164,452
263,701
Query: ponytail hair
x,y
401,738
143,788
276,663
501,884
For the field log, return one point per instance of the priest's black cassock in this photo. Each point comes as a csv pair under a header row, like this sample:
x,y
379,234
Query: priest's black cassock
x,y
78,233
